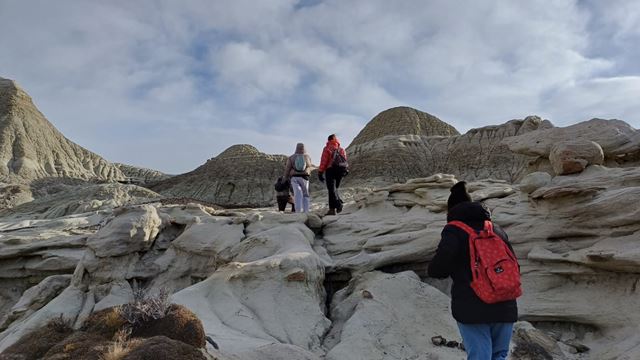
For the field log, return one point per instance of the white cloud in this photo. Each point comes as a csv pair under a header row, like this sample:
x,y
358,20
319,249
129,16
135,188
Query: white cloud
x,y
167,84
254,73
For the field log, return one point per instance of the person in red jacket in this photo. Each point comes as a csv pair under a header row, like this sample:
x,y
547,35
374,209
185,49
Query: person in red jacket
x,y
333,167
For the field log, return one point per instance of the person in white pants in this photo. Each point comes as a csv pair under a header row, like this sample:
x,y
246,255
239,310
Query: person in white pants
x,y
298,170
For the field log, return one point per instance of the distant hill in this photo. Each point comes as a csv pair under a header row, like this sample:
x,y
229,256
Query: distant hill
x,y
239,176
404,143
32,148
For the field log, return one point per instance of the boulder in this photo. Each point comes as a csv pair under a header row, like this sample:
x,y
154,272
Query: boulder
x,y
569,157
133,230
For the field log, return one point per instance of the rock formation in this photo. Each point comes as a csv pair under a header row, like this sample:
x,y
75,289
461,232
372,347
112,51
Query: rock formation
x,y
570,149
31,148
403,121
241,176
141,176
393,147
269,285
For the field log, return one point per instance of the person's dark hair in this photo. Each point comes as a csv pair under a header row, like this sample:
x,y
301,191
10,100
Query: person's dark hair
x,y
458,195
331,137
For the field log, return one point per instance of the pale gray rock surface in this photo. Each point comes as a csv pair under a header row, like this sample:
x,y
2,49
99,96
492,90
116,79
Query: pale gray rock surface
x,y
58,199
32,148
615,137
390,316
132,230
534,181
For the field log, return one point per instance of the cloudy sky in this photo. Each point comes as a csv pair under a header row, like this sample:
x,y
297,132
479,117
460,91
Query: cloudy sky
x,y
169,84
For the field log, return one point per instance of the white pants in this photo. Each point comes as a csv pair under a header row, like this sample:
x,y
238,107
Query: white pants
x,y
300,193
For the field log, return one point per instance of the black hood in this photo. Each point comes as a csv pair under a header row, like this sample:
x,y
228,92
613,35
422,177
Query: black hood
x,y
469,212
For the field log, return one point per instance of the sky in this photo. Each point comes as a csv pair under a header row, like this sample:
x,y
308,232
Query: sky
x,y
169,84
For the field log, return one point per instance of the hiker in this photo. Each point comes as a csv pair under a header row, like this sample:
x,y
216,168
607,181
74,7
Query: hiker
x,y
284,194
333,167
485,316
297,170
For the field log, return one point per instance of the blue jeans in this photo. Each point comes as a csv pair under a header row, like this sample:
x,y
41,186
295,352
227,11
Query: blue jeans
x,y
486,341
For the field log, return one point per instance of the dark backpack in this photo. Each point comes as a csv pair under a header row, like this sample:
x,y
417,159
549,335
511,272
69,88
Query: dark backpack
x,y
339,161
282,184
495,273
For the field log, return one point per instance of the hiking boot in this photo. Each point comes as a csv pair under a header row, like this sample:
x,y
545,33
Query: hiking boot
x,y
331,212
339,209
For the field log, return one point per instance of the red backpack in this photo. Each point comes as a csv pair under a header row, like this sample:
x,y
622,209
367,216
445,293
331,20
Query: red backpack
x,y
495,274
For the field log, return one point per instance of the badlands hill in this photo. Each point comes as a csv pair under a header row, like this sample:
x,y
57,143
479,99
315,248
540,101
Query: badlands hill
x,y
32,148
404,143
270,285
240,176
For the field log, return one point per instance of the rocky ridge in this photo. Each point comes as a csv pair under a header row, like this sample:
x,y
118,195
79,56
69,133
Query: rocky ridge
x,y
477,154
240,176
32,148
141,176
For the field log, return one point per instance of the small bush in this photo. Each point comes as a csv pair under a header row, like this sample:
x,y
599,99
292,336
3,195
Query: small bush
x,y
178,324
146,307
35,344
106,322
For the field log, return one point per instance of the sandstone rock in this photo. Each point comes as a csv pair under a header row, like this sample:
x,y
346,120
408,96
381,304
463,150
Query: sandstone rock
x,y
31,147
534,181
570,157
240,176
615,137
214,238
398,323
66,306
277,352
248,304
60,200
531,343
36,297
134,230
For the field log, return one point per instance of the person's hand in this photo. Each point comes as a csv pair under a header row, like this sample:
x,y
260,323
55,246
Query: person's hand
x,y
321,176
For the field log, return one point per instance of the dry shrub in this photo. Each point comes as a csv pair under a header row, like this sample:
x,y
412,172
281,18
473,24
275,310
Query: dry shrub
x,y
163,348
179,323
35,344
146,307
106,322
78,346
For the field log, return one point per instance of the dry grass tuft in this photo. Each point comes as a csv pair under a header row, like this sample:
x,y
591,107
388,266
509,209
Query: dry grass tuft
x,y
146,307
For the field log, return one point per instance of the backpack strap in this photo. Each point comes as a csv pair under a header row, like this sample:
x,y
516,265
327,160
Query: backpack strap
x,y
459,224
473,252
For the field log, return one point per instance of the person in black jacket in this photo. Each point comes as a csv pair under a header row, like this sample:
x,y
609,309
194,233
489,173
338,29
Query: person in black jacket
x,y
485,328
